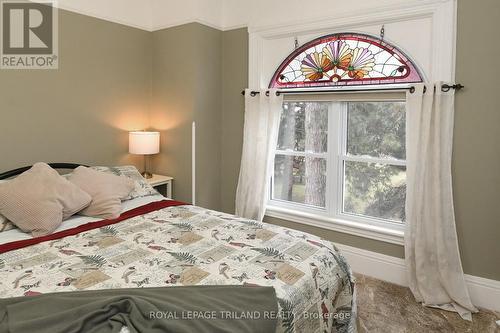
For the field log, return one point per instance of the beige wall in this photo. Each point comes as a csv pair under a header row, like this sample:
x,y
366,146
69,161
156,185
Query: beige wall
x,y
82,111
187,87
476,153
198,74
234,80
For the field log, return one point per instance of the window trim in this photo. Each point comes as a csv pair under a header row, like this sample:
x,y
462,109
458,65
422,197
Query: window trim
x,y
335,224
331,217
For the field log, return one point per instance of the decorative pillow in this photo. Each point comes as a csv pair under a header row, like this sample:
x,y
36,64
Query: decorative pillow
x,y
39,199
107,191
142,187
6,225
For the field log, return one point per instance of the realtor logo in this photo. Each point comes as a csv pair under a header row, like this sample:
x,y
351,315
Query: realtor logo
x,y
28,35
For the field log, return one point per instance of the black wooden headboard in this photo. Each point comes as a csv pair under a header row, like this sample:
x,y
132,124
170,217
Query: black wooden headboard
x,y
15,172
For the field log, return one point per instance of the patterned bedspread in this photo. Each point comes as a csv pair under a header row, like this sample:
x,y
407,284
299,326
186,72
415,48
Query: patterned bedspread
x,y
187,245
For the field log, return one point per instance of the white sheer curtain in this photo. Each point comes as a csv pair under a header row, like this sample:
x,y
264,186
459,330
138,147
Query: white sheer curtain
x,y
262,115
431,248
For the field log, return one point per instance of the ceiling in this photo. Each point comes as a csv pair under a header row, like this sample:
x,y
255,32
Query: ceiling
x,y
154,15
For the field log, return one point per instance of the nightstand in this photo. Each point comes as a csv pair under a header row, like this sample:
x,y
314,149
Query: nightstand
x,y
162,184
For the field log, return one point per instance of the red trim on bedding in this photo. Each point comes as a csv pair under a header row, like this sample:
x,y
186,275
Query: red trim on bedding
x,y
150,207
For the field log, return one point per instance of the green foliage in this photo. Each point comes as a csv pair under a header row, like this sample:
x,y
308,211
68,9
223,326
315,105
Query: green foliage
x,y
94,260
183,225
115,171
375,190
390,203
184,256
374,129
341,262
109,230
303,127
251,223
270,252
287,315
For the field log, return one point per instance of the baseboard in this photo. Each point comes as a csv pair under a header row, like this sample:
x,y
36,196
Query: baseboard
x,y
380,266
484,293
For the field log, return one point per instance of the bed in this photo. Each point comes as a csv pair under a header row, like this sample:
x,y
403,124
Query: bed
x,y
158,242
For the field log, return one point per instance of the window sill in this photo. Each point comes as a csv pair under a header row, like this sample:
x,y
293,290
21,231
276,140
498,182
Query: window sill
x,y
341,225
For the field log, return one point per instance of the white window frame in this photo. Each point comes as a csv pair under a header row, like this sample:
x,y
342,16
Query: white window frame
x,y
331,217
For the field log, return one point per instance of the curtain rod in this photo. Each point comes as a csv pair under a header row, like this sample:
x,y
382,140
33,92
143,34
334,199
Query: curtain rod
x,y
444,88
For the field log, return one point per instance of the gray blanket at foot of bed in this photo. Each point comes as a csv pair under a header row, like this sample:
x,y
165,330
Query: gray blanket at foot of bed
x,y
151,310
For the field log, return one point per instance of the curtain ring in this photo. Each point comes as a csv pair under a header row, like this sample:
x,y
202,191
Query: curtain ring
x,y
253,93
412,90
445,88
267,93
425,89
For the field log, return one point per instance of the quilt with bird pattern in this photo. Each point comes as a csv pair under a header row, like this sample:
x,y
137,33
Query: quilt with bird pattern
x,y
188,245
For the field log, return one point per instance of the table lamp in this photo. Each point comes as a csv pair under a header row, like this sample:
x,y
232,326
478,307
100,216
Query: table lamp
x,y
144,143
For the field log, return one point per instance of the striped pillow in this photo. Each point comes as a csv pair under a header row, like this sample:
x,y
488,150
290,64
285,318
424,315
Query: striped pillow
x,y
38,200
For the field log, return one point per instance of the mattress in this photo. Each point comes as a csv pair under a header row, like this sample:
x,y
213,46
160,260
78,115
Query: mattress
x,y
188,245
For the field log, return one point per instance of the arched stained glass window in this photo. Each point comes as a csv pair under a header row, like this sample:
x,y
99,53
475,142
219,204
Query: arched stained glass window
x,y
345,59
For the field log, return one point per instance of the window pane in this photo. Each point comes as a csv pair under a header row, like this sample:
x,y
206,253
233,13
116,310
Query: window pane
x,y
345,59
376,129
375,190
304,127
300,179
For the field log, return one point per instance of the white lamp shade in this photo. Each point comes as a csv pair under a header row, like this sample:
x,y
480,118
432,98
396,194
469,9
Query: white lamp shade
x,y
144,143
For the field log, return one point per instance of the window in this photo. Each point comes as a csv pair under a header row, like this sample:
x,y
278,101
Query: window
x,y
342,158
302,154
345,59
373,160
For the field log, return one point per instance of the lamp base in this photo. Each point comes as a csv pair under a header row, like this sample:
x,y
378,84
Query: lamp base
x,y
147,175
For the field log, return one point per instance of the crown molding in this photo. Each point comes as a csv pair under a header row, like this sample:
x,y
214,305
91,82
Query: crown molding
x,y
145,18
186,21
69,7
380,14
203,22
146,27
